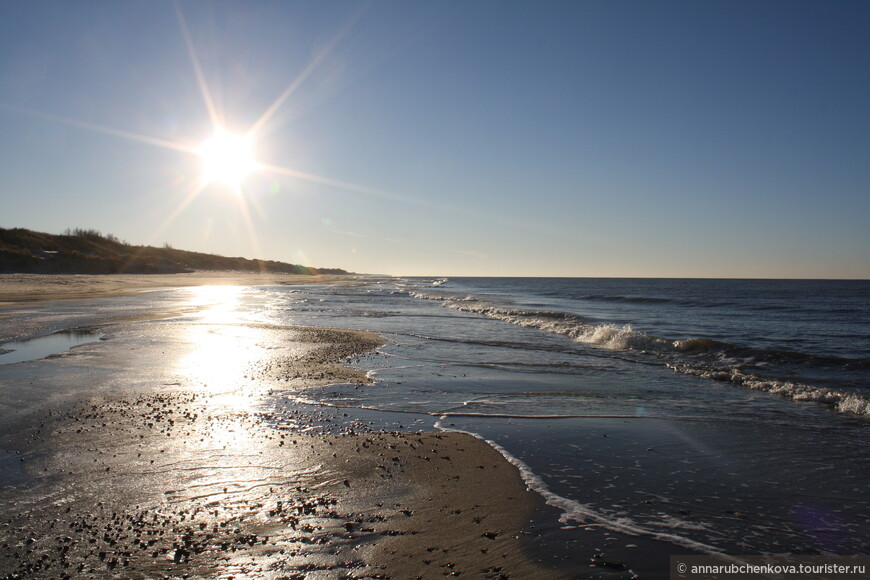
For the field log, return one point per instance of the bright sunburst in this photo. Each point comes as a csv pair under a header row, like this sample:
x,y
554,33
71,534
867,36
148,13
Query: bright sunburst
x,y
227,159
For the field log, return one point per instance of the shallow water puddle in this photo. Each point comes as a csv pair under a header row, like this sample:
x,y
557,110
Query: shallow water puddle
x,y
43,346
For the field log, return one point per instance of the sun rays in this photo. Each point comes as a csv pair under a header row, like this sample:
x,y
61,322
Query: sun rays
x,y
226,159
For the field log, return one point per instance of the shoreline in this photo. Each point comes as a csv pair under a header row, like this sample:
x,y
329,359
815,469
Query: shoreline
x,y
171,476
19,290
123,501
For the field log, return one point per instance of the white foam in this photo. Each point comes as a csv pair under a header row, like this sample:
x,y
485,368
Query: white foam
x,y
608,336
442,297
841,401
582,513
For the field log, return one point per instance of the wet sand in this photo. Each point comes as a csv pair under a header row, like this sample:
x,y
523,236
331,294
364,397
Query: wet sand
x,y
169,478
143,496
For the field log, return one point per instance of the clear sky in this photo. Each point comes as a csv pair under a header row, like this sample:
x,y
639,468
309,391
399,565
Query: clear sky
x,y
578,138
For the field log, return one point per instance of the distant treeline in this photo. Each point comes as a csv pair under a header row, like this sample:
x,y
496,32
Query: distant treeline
x,y
80,251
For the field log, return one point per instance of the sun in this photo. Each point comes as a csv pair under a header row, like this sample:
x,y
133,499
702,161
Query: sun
x,y
227,159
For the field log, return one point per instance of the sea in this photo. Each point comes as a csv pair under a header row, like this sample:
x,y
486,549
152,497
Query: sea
x,y
710,416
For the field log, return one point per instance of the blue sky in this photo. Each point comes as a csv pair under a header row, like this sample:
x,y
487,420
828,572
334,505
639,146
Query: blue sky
x,y
709,139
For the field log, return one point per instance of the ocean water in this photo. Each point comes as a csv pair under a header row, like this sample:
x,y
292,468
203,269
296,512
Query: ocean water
x,y
717,416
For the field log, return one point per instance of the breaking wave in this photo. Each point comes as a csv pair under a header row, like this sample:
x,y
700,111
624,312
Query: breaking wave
x,y
702,357
842,401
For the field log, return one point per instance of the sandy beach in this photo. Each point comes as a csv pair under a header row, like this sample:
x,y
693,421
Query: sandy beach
x,y
176,472
17,289
360,429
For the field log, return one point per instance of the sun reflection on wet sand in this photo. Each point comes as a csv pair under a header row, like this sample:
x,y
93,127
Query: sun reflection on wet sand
x,y
229,469
216,304
191,466
222,350
229,434
220,357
